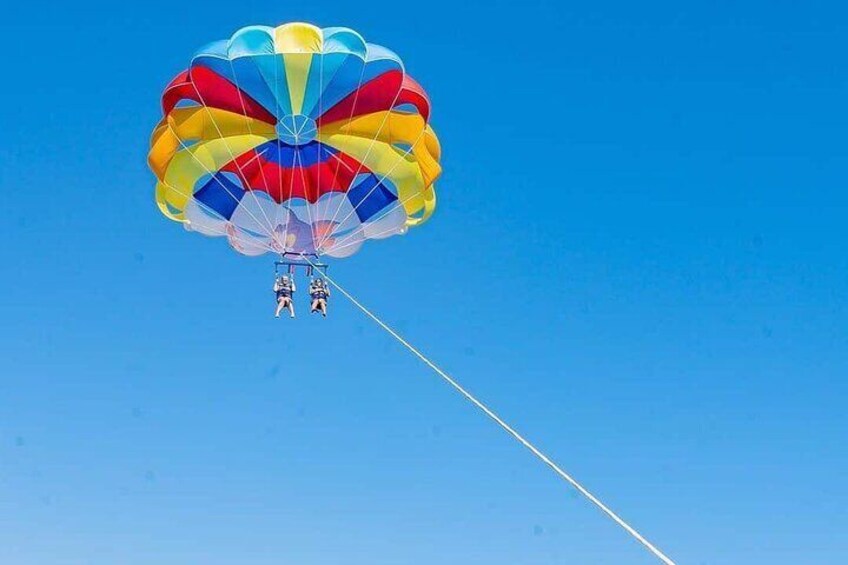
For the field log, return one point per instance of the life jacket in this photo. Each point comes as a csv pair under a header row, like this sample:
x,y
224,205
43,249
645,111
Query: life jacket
x,y
284,290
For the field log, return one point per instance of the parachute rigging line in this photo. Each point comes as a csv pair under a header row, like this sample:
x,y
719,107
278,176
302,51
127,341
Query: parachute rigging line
x,y
506,427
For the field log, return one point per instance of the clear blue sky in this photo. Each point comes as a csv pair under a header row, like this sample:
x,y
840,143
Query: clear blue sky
x,y
670,177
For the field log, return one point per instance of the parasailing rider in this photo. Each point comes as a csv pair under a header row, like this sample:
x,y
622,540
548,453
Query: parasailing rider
x,y
284,288
319,291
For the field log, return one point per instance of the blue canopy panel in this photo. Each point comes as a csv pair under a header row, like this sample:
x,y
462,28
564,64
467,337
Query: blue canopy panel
x,y
289,156
220,194
370,196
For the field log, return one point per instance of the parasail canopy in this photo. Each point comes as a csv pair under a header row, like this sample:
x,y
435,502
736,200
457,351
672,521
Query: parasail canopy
x,y
295,140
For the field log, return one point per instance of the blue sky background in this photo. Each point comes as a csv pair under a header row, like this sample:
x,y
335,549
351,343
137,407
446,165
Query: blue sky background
x,y
670,177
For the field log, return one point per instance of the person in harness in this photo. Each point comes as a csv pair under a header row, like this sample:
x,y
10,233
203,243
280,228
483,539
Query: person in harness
x,y
319,291
284,288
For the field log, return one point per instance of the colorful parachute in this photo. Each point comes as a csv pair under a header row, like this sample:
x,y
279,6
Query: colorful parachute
x,y
295,139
